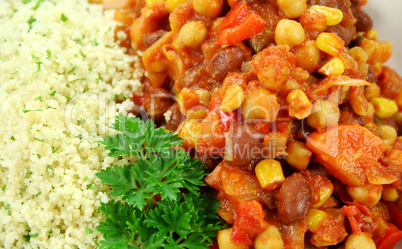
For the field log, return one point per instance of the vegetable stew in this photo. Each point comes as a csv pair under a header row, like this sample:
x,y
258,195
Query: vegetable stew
x,y
289,105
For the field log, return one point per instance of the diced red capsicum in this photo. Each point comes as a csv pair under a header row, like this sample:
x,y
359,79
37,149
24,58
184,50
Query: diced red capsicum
x,y
391,237
235,16
240,24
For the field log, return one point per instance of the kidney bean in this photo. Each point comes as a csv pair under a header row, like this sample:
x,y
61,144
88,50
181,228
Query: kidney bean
x,y
176,118
157,103
294,198
364,22
227,60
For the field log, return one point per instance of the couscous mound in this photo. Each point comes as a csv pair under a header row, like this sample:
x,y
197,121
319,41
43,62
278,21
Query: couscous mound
x,y
60,74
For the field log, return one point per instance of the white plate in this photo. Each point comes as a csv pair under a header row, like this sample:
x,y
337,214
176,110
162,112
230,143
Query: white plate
x,y
387,19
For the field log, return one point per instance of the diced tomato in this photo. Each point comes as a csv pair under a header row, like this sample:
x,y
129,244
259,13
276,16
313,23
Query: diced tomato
x,y
249,222
347,151
248,28
214,245
391,237
396,214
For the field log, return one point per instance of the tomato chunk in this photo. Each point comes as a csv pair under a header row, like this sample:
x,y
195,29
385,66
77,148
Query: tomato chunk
x,y
249,222
347,151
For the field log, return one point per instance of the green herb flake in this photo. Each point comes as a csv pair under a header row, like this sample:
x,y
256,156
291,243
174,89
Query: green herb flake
x,y
80,136
8,208
40,192
91,186
73,69
39,65
67,97
97,80
50,107
12,138
4,187
30,21
78,41
29,173
38,3
53,93
85,178
95,42
80,79
39,98
48,54
50,231
89,231
50,170
63,18
36,110
38,139
26,1
38,155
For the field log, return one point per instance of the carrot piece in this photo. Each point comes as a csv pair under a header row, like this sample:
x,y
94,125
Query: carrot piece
x,y
346,151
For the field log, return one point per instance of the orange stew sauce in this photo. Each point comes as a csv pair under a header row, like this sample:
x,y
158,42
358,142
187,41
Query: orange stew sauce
x,y
290,106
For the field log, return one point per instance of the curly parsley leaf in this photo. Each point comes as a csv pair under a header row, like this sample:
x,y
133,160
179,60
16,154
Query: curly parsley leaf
x,y
160,204
138,183
137,137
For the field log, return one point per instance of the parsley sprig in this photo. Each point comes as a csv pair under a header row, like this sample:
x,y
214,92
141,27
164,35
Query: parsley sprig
x,y
156,201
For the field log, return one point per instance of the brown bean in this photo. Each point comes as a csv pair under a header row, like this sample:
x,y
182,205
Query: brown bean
x,y
157,103
225,61
151,38
294,198
364,22
176,118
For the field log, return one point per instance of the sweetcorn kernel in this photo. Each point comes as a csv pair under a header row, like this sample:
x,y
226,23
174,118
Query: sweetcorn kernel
x,y
330,43
335,66
334,16
384,108
372,34
269,174
314,218
325,192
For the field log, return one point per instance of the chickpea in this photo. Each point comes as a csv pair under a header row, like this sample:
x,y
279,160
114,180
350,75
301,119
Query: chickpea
x,y
308,56
324,114
269,239
358,241
372,91
368,194
289,32
225,241
192,34
388,134
292,8
210,8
